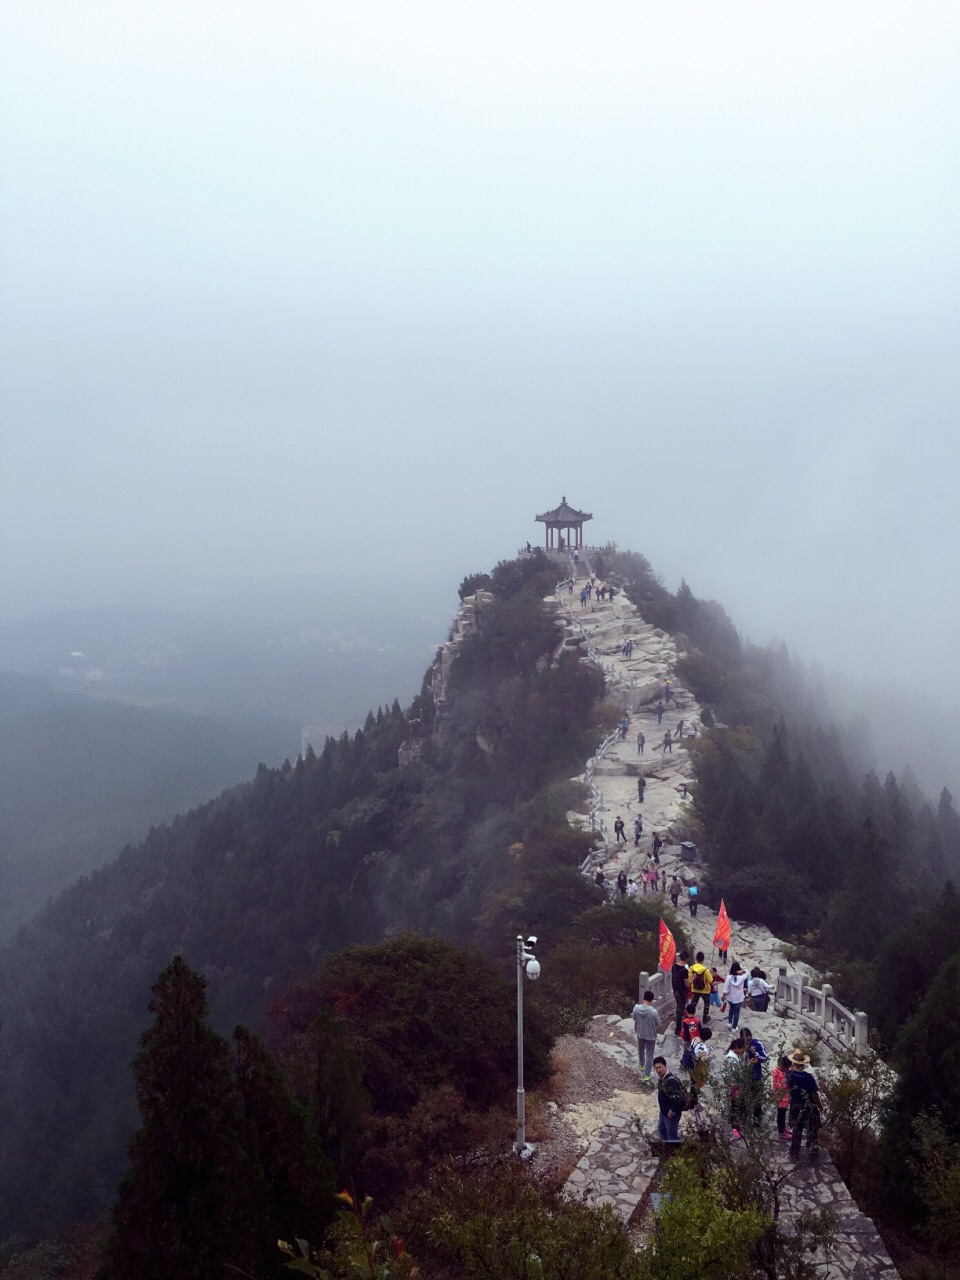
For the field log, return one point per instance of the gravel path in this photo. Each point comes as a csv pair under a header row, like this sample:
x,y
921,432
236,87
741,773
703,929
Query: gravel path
x,y
565,1121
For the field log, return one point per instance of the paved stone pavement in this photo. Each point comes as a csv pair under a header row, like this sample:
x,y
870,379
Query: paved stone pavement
x,y
618,1166
635,685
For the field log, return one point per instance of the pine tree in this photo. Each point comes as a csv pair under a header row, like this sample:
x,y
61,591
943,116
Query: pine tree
x,y
184,1208
297,1178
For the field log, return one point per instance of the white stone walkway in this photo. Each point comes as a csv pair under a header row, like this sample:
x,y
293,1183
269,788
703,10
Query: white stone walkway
x,y
617,1166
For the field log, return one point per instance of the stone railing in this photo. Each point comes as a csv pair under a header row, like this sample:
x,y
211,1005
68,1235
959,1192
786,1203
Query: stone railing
x,y
816,1009
608,669
821,1012
659,983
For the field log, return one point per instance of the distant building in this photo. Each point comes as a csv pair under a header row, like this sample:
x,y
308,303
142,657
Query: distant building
x,y
564,527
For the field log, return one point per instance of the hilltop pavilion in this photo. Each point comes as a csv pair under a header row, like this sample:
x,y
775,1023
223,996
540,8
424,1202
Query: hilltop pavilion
x,y
564,519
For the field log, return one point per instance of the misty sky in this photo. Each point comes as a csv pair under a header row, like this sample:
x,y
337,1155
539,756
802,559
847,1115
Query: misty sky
x,y
297,284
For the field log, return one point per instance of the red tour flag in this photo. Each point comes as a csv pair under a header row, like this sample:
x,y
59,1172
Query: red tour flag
x,y
668,948
721,939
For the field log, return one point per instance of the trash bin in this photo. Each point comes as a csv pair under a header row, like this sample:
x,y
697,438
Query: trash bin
x,y
689,850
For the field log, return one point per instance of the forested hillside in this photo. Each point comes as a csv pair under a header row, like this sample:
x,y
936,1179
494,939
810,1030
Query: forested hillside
x,y
80,778
261,888
255,887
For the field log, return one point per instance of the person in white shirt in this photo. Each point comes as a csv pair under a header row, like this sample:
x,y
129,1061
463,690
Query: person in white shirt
x,y
758,990
734,990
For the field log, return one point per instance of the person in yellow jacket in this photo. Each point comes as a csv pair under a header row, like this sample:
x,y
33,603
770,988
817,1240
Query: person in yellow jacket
x,y
700,981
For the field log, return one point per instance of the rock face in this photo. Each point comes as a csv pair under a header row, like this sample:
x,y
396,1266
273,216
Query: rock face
x,y
467,620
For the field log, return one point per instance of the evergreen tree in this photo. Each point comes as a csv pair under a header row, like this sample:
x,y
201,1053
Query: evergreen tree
x,y
185,1206
860,914
949,825
287,1163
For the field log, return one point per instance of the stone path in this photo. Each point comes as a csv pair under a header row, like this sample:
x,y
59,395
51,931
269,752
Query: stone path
x,y
617,1166
635,685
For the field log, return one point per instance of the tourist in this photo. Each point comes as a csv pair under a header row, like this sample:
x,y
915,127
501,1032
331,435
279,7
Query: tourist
x,y
657,845
734,1069
733,993
670,1100
756,1055
693,898
668,693
618,830
624,726
699,1072
622,883
646,1023
804,1106
667,743
641,743
781,1096
676,888
641,788
701,981
637,829
758,990
716,999
600,879
678,980
659,712
678,732
691,1024
632,889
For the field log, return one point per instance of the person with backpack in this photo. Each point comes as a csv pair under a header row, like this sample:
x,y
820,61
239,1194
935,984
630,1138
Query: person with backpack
x,y
756,1055
733,993
701,984
646,1023
679,974
805,1110
670,1099
690,1026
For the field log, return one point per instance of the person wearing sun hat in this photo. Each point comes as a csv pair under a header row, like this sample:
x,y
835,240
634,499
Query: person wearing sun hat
x,y
804,1105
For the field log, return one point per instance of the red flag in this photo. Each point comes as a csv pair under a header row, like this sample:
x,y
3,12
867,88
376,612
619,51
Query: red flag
x,y
721,939
668,948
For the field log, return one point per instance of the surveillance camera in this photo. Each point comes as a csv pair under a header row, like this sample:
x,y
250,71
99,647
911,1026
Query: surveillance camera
x,y
532,940
533,970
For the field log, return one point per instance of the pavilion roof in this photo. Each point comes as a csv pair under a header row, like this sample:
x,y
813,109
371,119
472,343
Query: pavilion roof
x,y
564,514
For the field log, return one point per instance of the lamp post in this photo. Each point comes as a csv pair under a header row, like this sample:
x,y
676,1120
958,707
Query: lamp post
x,y
527,963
